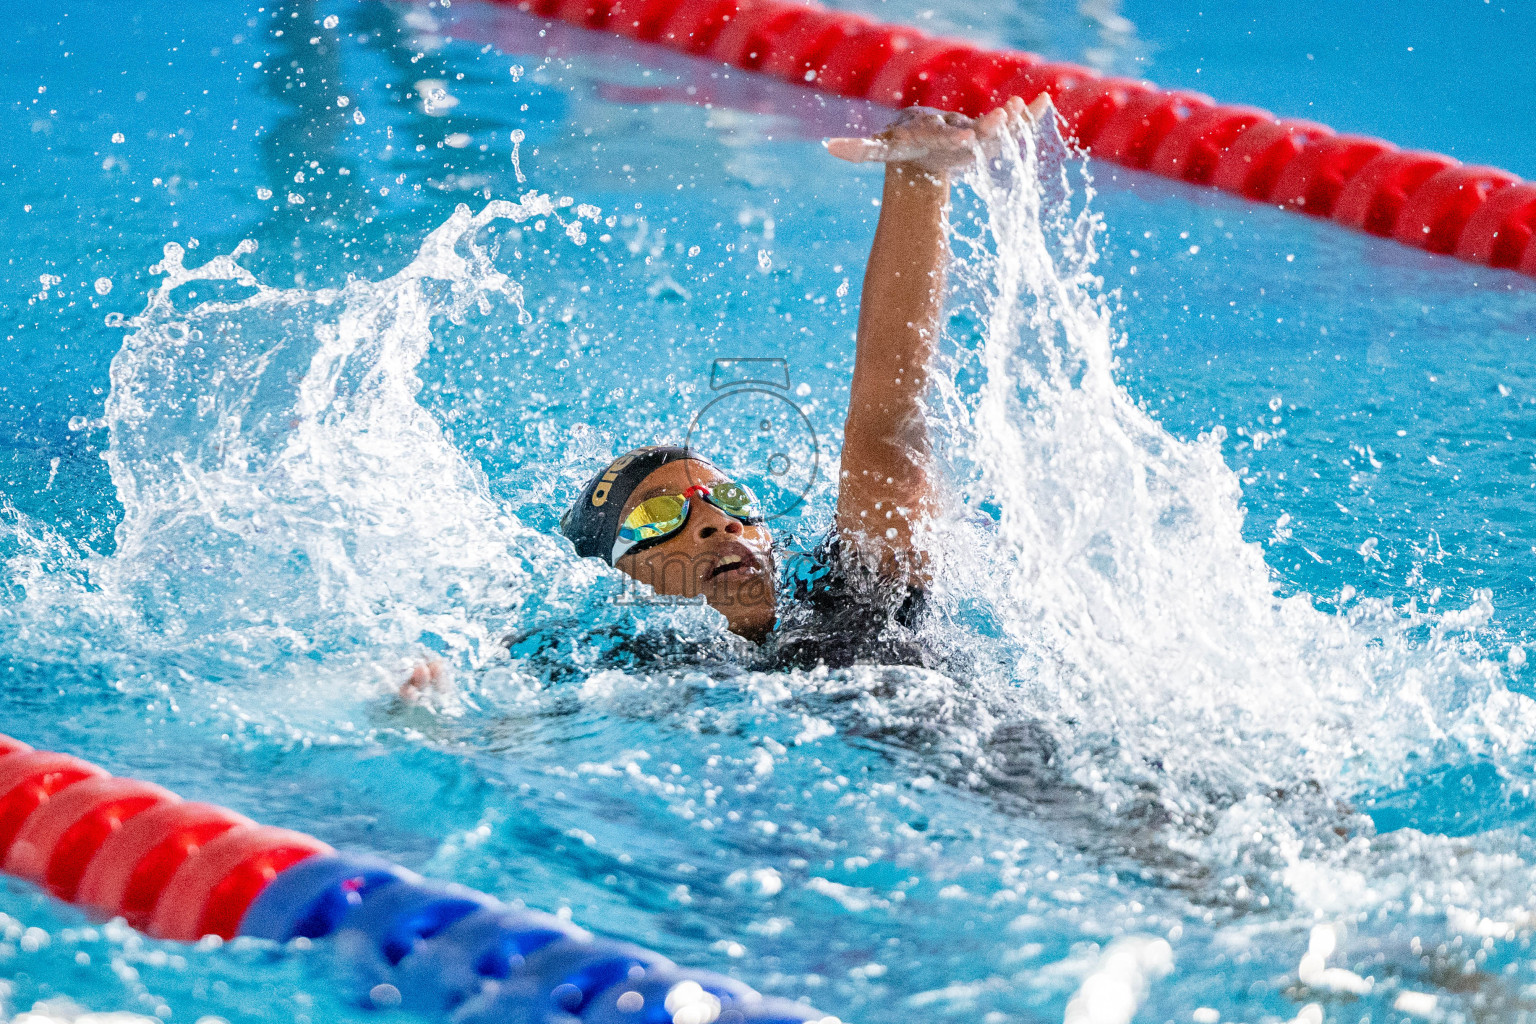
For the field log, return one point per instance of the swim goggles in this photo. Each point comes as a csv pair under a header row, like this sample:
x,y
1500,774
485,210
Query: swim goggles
x,y
655,519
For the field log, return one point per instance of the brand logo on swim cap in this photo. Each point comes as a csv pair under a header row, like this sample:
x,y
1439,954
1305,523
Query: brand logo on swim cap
x,y
600,496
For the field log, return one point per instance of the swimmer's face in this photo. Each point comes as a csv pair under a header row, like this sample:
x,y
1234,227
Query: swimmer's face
x,y
727,561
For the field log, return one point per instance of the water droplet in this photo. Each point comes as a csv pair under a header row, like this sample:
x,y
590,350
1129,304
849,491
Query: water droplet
x,y
384,995
517,168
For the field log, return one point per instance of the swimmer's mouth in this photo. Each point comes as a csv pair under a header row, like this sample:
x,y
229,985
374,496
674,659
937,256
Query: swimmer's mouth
x,y
736,563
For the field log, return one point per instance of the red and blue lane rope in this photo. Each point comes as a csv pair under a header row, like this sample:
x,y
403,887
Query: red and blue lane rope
x,y
1479,214
183,870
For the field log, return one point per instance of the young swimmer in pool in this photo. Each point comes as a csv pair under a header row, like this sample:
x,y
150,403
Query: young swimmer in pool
x,y
670,519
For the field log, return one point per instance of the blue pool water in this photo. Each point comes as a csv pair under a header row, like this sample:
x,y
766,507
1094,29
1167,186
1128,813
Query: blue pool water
x,y
1249,726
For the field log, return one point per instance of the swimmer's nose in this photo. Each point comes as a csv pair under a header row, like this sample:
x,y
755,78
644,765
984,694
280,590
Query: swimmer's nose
x,y
715,521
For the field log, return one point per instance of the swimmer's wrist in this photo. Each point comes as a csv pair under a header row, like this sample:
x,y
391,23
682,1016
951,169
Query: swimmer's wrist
x,y
912,185
910,172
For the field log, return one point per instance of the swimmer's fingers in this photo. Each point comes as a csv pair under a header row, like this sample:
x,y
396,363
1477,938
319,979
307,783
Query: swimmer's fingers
x,y
857,151
901,150
938,140
997,128
992,122
427,679
934,140
989,129
991,125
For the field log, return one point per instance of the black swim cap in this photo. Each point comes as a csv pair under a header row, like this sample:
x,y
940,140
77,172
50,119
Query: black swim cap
x,y
592,523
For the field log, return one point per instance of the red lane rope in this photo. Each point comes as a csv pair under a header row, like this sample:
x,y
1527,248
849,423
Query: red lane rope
x,y
1432,202
176,869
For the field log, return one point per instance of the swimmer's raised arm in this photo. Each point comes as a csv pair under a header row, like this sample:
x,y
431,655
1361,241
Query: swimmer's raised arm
x,y
667,517
884,488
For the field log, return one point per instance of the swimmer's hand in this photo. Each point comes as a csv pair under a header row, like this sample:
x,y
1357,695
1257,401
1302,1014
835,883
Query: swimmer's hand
x,y
936,140
428,679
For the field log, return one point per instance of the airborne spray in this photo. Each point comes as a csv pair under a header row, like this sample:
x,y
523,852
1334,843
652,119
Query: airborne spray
x,y
1145,635
289,507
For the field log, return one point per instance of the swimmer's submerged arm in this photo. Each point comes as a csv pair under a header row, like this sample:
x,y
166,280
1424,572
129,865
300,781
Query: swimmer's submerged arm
x,y
885,488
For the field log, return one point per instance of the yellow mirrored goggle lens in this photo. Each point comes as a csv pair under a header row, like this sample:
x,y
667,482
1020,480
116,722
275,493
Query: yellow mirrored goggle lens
x,y
654,517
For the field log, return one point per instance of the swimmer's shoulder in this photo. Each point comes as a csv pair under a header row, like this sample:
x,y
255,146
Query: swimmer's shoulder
x,y
839,612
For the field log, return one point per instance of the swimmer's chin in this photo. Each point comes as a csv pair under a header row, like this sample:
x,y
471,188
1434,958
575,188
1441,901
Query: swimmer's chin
x,y
756,631
750,622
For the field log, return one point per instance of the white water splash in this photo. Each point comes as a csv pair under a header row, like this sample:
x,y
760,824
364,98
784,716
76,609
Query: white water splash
x,y
1147,635
328,494
1116,987
283,490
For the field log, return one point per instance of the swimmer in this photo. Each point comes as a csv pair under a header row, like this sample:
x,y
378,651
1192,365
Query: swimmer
x,y
670,519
